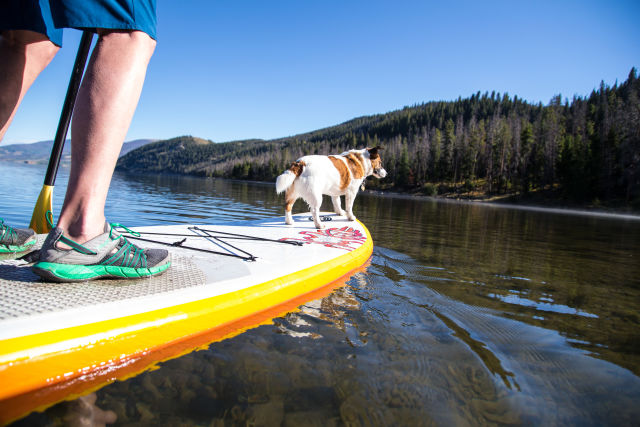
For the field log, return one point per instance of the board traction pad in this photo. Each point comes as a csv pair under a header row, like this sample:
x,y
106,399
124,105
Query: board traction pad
x,y
22,293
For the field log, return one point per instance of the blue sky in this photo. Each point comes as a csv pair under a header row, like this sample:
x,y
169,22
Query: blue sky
x,y
236,69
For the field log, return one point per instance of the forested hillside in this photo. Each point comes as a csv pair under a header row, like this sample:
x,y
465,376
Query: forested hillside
x,y
587,147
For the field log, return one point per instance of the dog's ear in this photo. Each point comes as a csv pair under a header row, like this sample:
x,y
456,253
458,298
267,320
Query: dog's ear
x,y
373,152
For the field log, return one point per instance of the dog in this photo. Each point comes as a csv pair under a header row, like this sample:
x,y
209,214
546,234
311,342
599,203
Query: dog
x,y
310,177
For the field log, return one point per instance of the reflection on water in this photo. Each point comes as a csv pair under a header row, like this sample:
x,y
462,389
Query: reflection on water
x,y
468,314
579,275
545,304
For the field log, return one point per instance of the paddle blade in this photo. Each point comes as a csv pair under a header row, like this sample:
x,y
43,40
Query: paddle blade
x,y
39,219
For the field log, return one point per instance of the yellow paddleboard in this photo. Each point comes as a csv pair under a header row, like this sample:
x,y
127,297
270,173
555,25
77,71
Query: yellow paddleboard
x,y
60,340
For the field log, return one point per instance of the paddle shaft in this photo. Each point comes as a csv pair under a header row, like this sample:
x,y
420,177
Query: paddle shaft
x,y
67,108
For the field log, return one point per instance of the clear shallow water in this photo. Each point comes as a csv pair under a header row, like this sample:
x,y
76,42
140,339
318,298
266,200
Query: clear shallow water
x,y
468,314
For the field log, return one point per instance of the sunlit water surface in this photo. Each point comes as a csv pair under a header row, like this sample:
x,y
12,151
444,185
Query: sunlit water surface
x,y
468,315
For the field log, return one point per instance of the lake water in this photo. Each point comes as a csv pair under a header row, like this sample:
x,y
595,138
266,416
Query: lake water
x,y
468,314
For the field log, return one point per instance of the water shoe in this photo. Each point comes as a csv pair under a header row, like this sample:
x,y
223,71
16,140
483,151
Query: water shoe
x,y
15,239
110,255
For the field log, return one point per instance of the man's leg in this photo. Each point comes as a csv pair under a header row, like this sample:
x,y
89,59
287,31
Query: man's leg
x,y
104,108
24,54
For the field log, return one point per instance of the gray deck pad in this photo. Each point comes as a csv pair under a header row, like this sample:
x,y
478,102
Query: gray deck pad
x,y
22,293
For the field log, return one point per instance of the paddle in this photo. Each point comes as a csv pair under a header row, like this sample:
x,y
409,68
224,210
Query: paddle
x,y
43,204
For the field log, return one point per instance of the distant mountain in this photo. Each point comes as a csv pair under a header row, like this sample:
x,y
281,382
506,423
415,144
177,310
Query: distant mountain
x,y
588,148
132,145
39,152
189,155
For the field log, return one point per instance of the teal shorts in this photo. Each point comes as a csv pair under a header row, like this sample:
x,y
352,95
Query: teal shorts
x,y
49,17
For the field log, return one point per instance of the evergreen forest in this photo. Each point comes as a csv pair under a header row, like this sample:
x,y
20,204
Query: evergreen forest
x,y
585,149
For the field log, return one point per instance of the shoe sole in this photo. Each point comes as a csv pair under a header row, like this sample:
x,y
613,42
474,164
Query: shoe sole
x,y
80,273
6,249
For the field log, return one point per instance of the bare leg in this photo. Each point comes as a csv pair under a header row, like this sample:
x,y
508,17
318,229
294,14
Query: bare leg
x,y
106,102
24,55
337,208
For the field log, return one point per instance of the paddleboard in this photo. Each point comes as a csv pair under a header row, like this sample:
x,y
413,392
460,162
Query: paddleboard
x,y
59,340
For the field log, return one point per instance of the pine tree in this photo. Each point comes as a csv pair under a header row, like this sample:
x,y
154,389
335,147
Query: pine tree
x,y
403,171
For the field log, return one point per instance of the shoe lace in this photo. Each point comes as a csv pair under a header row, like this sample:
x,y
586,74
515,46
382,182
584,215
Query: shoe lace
x,y
128,254
7,232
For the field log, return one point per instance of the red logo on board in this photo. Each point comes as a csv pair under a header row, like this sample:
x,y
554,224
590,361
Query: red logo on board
x,y
346,238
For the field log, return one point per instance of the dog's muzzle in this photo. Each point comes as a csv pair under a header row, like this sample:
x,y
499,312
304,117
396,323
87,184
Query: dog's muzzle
x,y
379,173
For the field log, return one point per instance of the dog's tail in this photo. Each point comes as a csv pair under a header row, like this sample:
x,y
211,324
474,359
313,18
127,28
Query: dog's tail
x,y
285,180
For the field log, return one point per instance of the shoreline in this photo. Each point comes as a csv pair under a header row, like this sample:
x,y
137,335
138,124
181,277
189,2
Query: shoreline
x,y
548,205
543,204
534,204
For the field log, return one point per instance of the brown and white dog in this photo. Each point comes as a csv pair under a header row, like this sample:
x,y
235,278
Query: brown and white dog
x,y
312,176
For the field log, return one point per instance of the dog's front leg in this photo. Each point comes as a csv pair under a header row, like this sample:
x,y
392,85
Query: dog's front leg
x,y
337,207
349,198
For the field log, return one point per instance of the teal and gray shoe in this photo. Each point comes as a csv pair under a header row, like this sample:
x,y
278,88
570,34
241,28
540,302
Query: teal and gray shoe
x,y
108,256
15,239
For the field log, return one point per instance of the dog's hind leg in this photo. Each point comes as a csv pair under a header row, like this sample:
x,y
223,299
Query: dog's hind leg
x,y
337,208
290,199
315,201
315,213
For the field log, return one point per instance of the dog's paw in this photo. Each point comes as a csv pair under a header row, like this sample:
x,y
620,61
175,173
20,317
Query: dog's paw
x,y
320,226
341,213
288,221
351,217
